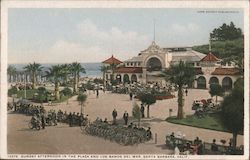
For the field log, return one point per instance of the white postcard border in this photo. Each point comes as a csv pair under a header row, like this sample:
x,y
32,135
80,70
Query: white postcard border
x,y
5,5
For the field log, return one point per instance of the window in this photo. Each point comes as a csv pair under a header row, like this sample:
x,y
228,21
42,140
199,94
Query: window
x,y
131,64
139,63
197,64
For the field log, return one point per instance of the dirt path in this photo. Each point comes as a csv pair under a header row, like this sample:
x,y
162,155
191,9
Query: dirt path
x,y
66,140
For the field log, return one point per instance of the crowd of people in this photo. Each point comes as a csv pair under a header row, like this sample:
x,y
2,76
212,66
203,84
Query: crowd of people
x,y
47,118
136,88
24,107
181,145
125,135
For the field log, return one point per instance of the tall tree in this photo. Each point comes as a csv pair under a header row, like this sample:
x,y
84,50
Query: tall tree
x,y
216,90
233,110
33,69
55,75
11,71
67,92
42,94
66,72
147,99
81,98
227,43
104,70
76,69
226,32
136,112
180,74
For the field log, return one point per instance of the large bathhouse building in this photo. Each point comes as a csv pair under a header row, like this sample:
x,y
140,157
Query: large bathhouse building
x,y
149,64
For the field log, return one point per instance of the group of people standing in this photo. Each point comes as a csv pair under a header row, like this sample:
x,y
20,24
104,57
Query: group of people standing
x,y
76,119
126,115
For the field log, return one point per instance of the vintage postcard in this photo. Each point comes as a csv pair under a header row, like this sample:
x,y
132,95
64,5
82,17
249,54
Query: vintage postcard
x,y
124,79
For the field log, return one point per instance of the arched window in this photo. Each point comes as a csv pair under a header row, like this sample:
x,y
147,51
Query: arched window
x,y
126,78
227,83
133,78
214,80
154,64
201,82
118,78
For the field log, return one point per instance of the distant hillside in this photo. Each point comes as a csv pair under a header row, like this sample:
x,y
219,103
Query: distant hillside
x,y
224,49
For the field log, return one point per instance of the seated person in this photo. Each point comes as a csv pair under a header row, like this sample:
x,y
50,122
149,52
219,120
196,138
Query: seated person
x,y
187,149
130,125
105,120
214,146
33,120
172,135
197,141
149,133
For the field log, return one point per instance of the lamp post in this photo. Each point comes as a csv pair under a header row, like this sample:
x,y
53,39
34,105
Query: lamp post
x,y
25,86
81,107
170,112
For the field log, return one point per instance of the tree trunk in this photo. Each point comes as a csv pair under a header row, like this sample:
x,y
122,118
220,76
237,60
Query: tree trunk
x,y
81,108
57,94
180,103
148,111
9,79
75,83
66,79
139,122
33,80
234,140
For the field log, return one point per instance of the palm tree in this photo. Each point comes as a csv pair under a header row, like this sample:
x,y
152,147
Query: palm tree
x,y
181,74
76,69
104,70
33,69
112,67
66,72
55,74
11,71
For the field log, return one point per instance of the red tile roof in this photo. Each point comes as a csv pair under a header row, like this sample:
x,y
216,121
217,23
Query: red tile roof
x,y
225,71
210,58
128,70
198,71
112,60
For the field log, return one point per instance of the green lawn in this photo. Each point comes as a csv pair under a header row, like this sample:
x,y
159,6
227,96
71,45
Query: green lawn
x,y
208,122
29,93
63,99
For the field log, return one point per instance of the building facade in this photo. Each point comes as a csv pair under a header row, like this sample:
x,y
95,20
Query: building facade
x,y
149,66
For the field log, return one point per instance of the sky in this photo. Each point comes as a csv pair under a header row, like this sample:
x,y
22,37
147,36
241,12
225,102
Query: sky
x,y
93,35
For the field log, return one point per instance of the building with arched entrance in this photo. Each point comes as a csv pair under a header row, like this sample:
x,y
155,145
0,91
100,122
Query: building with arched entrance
x,y
149,66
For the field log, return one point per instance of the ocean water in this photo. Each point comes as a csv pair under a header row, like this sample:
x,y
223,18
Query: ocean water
x,y
92,69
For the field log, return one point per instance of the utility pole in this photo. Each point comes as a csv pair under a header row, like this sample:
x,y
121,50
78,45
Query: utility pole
x,y
154,29
25,86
